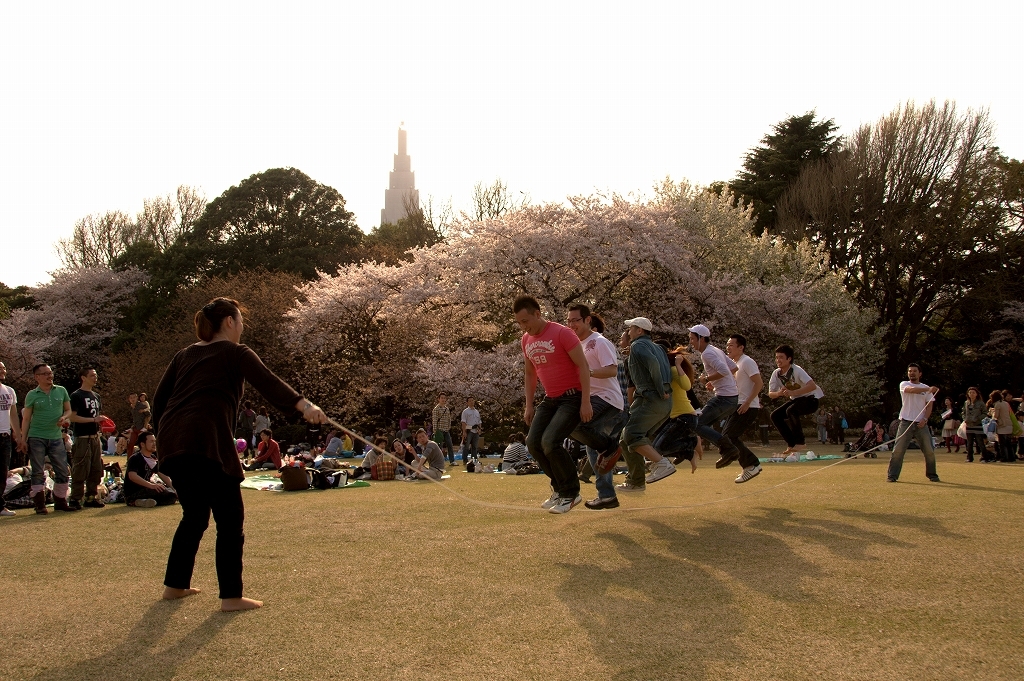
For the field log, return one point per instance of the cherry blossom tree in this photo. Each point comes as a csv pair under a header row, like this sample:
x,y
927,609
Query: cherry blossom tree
x,y
74,317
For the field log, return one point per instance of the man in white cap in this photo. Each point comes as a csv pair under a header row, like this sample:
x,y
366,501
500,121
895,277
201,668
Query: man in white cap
x,y
652,400
718,377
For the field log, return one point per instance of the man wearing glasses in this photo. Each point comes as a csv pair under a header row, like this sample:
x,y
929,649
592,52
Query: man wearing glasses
x,y
47,408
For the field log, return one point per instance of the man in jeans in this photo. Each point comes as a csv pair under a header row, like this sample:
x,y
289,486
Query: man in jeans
x,y
600,435
9,423
47,408
918,400
471,426
442,422
652,397
554,356
718,377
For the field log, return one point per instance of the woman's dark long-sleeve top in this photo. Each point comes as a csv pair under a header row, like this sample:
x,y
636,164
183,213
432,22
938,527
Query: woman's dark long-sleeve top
x,y
196,403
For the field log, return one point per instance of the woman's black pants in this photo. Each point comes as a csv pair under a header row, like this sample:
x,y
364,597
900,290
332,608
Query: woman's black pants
x,y
203,487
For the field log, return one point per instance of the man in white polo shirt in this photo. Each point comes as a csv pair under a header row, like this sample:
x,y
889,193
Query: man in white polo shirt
x,y
918,400
718,377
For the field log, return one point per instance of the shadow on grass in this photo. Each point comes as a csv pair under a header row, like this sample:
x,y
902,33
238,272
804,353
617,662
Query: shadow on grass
x,y
960,485
684,606
926,524
843,539
138,655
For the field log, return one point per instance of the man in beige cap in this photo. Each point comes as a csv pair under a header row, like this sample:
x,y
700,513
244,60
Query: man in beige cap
x,y
652,402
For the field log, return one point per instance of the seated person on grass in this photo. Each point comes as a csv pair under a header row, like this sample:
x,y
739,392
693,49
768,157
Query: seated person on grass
x,y
268,453
334,445
432,457
370,458
138,490
516,457
398,451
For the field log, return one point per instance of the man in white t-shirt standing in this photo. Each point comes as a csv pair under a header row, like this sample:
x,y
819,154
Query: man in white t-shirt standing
x,y
9,424
600,435
471,426
918,400
717,376
791,381
749,383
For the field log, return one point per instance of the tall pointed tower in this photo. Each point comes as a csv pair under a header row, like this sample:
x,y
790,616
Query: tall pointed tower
x,y
401,187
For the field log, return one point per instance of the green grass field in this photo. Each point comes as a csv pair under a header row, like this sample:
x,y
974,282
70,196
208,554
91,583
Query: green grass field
x,y
835,575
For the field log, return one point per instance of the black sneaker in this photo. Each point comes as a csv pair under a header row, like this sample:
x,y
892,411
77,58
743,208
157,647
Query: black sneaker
x,y
934,478
74,505
890,479
599,503
94,503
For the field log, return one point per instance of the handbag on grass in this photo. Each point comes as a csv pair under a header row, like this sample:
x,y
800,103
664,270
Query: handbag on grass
x,y
294,478
384,469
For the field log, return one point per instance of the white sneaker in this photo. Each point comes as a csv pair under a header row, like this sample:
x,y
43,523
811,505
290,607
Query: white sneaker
x,y
660,470
629,487
7,513
748,473
145,503
565,504
552,500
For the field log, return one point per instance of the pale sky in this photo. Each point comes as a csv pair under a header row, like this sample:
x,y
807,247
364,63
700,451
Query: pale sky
x,y
106,104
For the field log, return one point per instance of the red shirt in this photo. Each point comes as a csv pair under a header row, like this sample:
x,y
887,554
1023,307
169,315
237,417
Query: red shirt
x,y
269,450
549,353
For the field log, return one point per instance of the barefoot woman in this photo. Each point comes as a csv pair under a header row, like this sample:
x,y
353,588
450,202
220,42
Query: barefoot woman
x,y
194,413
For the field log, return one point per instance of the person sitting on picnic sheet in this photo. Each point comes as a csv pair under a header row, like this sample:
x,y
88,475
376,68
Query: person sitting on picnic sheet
x,y
399,452
334,445
268,454
431,456
138,489
516,455
362,472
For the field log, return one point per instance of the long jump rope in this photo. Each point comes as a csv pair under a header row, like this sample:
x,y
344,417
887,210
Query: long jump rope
x,y
511,507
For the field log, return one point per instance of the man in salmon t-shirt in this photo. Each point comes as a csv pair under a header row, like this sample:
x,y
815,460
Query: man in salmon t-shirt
x,y
554,355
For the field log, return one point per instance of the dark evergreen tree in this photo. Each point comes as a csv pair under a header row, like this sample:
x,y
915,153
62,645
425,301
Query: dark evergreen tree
x,y
770,168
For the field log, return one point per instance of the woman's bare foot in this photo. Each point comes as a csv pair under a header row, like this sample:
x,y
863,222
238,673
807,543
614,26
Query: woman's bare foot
x,y
236,604
693,466
787,452
172,594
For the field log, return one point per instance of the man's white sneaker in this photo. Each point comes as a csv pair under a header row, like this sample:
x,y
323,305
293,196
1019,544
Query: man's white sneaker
x,y
551,501
7,513
565,504
660,470
748,473
629,487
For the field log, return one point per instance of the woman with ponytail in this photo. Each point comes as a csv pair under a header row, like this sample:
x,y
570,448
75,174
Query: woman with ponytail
x,y
194,413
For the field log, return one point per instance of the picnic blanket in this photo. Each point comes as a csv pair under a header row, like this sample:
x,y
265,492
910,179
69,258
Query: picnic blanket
x,y
268,483
823,457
